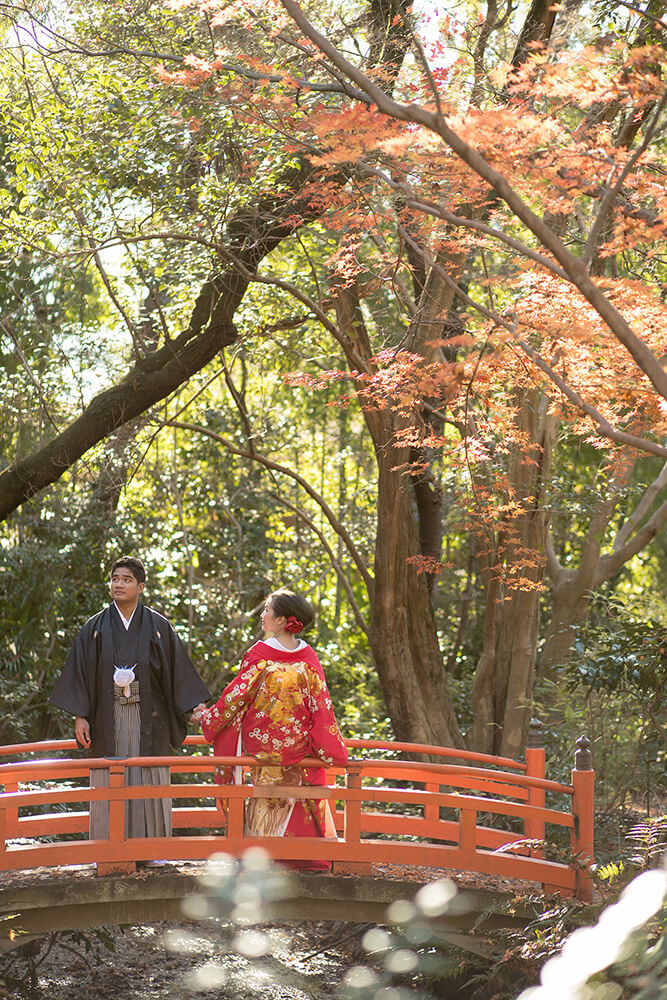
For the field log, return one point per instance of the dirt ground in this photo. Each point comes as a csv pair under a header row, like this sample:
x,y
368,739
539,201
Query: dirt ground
x,y
179,961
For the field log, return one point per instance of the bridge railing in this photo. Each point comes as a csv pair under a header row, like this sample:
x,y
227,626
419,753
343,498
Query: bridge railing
x,y
485,814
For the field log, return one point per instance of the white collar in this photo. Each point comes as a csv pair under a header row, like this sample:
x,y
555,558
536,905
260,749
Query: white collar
x,y
277,644
126,621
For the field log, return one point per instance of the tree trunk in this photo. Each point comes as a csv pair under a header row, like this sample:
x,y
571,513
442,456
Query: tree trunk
x,y
402,633
536,28
569,605
403,636
503,683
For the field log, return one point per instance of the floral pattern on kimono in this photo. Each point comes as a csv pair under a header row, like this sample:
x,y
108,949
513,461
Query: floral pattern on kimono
x,y
278,710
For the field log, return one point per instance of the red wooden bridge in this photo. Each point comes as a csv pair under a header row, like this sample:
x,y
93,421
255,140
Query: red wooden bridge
x,y
456,810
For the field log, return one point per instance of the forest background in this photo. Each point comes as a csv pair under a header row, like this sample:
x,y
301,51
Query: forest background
x,y
361,299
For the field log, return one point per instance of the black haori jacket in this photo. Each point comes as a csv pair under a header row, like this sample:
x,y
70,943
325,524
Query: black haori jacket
x,y
169,685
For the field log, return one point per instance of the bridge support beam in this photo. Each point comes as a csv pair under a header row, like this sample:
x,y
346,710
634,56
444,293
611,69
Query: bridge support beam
x,y
51,903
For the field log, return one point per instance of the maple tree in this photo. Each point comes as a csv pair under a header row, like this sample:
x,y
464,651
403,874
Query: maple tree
x,y
492,167
485,251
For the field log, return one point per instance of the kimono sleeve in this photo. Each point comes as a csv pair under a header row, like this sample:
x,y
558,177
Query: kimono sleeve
x,y
74,691
225,744
231,706
326,740
188,689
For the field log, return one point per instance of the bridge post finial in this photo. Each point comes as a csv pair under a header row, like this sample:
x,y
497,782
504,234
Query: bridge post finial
x,y
535,768
583,809
583,758
535,734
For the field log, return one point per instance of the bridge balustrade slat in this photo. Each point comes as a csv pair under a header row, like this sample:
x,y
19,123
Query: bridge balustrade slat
x,y
33,770
435,830
467,830
48,824
433,751
379,798
354,793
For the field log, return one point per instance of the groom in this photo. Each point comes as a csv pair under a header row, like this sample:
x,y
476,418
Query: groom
x,y
130,684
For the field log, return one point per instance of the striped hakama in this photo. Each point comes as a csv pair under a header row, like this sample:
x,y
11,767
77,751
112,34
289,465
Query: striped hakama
x,y
143,817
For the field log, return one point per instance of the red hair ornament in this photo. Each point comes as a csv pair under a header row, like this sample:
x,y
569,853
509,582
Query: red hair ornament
x,y
293,625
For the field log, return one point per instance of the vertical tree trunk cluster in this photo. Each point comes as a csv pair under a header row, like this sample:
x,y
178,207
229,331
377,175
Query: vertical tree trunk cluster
x,y
503,682
402,633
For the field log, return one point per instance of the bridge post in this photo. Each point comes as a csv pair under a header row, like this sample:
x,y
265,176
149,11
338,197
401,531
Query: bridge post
x,y
3,829
533,827
116,822
583,810
431,811
235,817
11,813
352,825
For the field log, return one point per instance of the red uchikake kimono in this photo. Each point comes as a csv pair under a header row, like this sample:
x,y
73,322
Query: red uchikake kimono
x,y
278,710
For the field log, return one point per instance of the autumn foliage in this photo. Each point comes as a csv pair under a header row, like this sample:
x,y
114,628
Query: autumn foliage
x,y
465,210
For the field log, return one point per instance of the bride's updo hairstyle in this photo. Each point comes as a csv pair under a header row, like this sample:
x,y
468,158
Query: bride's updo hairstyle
x,y
296,609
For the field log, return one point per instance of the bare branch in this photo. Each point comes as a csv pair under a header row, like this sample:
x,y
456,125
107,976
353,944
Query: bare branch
x,y
71,47
358,617
303,297
612,193
137,339
643,13
438,212
303,483
240,404
4,322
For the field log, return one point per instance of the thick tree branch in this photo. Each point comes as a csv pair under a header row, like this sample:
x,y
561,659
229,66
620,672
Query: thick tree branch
x,y
139,390
610,563
589,559
649,496
594,568
252,234
558,573
601,422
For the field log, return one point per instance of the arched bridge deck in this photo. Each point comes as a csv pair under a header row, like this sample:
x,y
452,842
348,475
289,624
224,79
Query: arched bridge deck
x,y
36,903
456,810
